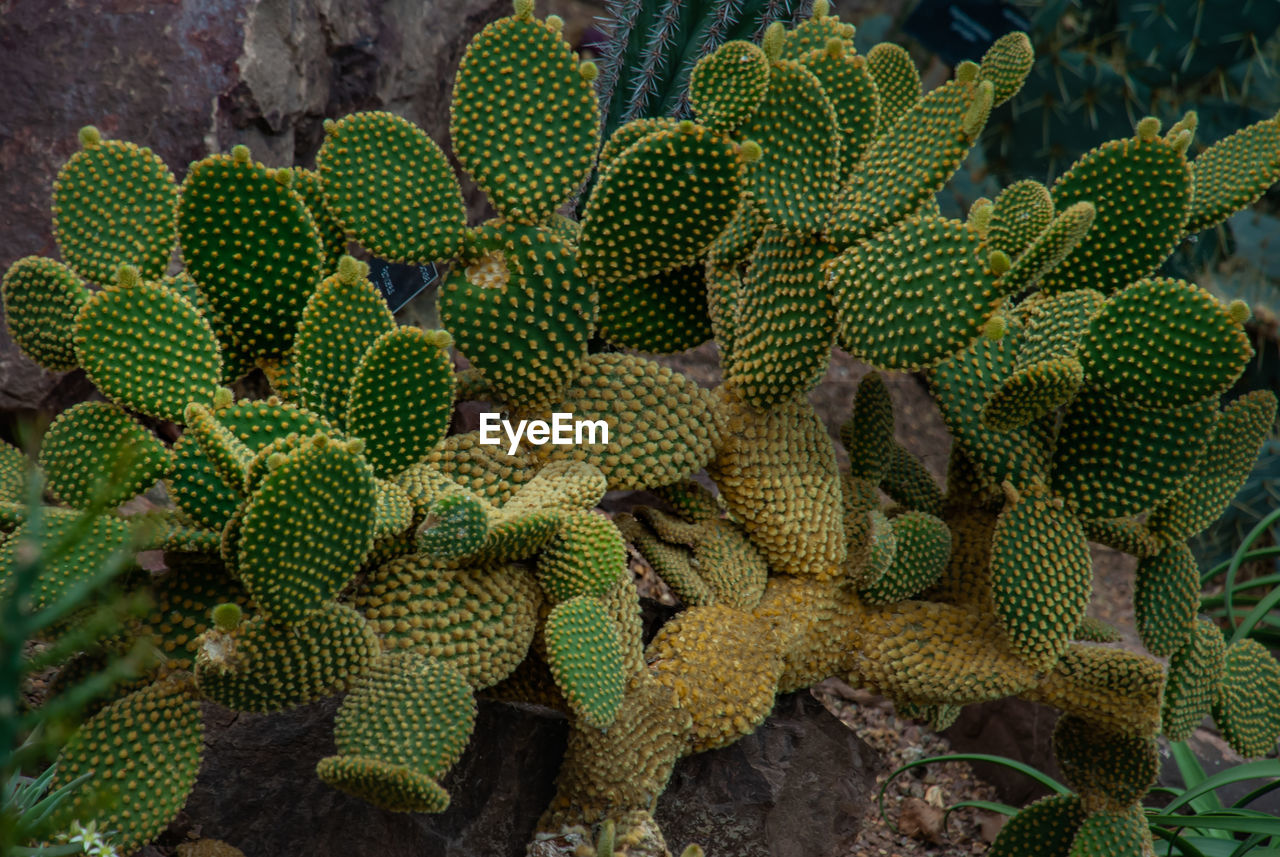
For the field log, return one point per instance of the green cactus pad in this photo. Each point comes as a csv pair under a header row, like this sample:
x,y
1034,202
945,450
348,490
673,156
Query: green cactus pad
x,y
393,512
487,470
1021,213
389,186
627,135
398,788
1094,630
910,483
794,183
1032,393
147,349
113,205
1195,675
723,289
309,187
1247,707
1114,833
408,710
922,548
1166,597
1114,459
728,84
1102,765
518,311
1165,343
263,666
961,384
1126,535
868,434
307,528
913,295
195,484
1006,64
785,321
74,547
478,620
777,474
524,120
912,160
739,238
661,314
1233,173
230,458
13,474
585,658
659,204
142,752
1130,182
815,33
184,597
1041,576
457,525
1045,828
662,426
401,398
671,563
254,251
1062,236
847,81
897,83
341,320
95,452
586,557
41,301
1227,461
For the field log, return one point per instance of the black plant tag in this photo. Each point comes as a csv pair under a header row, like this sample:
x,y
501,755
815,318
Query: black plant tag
x,y
958,30
400,284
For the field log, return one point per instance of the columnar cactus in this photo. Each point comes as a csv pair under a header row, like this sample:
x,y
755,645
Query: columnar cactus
x,y
331,537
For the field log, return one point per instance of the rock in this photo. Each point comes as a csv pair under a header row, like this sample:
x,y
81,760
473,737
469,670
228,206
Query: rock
x,y
1009,727
799,786
921,821
190,77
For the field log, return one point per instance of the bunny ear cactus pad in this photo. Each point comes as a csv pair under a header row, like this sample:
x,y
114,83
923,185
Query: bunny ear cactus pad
x,y
660,203
661,314
263,666
402,397
518,311
147,348
142,753
1105,767
307,528
1041,576
913,295
1114,459
1140,180
1228,458
848,85
457,525
1165,343
307,185
230,458
389,186
1247,707
585,658
403,725
1165,599
728,84
41,301
1006,64
868,434
341,320
586,557
114,204
1194,678
74,551
912,160
815,33
1063,235
1045,828
96,453
524,117
785,320
794,183
897,83
1021,212
254,251
1232,173
195,483
922,546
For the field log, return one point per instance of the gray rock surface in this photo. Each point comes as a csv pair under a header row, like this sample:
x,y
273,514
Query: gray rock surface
x,y
799,786
190,77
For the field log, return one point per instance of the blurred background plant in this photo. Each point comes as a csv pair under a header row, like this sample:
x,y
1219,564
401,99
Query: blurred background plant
x,y
42,625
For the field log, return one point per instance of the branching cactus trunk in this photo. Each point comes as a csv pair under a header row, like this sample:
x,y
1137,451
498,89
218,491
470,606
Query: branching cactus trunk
x,y
331,537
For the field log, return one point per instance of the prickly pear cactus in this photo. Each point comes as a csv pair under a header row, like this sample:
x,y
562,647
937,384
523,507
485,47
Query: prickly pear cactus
x,y
332,536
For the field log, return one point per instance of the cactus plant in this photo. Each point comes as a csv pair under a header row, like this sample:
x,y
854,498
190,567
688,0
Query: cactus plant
x,y
343,541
